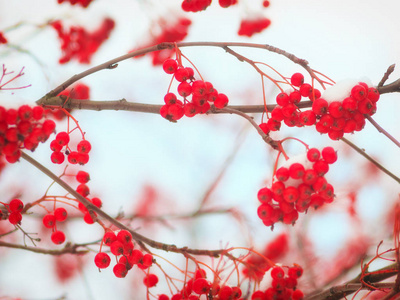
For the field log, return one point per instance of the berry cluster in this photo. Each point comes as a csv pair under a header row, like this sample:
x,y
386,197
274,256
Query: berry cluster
x,y
283,285
14,209
121,245
201,94
248,27
22,128
83,3
175,32
3,39
80,44
80,156
287,109
60,214
346,115
297,185
199,5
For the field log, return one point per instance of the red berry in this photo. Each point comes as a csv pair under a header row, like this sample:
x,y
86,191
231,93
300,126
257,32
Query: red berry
x,y
58,237
265,195
62,138
282,174
297,295
170,66
15,218
296,171
265,211
329,155
359,92
201,286
321,167
282,99
290,194
221,101
84,146
297,79
295,271
117,248
60,214
55,146
88,218
83,189
57,157
335,109
124,236
320,106
97,202
16,205
264,127
102,260
109,238
170,98
73,157
277,273
49,221
373,94
150,280
82,177
120,270
313,154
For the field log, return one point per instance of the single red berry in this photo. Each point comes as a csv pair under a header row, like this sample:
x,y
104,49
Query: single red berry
x,y
295,97
102,260
310,177
266,3
277,114
290,218
201,286
16,205
265,211
199,88
82,177
73,157
308,117
320,106
335,109
265,195
57,157
321,167
282,174
264,127
120,270
329,155
82,158
48,127
150,280
170,66
37,112
359,92
97,202
277,273
55,146
297,79
62,138
170,98
282,99
184,89
296,171
60,214
335,134
84,146
124,236
83,189
221,101
313,154
147,260
182,74
290,194
49,221
295,271
109,238
277,188
117,248
373,94
15,218
58,237
306,90
88,218
350,104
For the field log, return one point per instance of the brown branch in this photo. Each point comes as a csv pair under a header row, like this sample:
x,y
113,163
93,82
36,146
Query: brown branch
x,y
340,291
69,248
136,236
123,104
378,165
386,75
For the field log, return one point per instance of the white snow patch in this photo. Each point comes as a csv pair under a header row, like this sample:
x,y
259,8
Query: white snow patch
x,y
342,89
302,159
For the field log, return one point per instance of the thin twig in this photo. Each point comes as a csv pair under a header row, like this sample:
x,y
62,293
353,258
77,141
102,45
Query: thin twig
x,y
383,131
386,75
378,165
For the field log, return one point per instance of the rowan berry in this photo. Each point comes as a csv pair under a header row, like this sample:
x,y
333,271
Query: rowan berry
x,y
12,134
15,218
291,218
60,214
84,146
308,117
190,110
201,286
313,154
273,125
184,89
82,177
335,134
265,195
37,112
277,114
117,248
358,92
306,90
147,260
73,157
124,236
282,174
88,217
170,66
310,177
83,190
109,238
11,116
120,270
102,260
225,292
321,167
373,94
48,127
335,109
182,74
286,207
329,155
320,106
221,101
277,273
236,292
297,295
136,256
265,211
366,107
320,184
259,295
62,138
266,3
294,97
199,88
264,127
289,110
49,221
290,283
277,188
16,205
296,171
297,79
150,280
350,126
58,237
282,99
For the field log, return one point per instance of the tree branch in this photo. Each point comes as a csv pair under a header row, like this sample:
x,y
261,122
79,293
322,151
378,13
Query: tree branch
x,y
69,248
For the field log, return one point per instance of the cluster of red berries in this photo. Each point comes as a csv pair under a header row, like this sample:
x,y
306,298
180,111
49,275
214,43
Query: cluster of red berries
x,y
80,156
199,285
283,285
201,94
77,43
287,109
3,39
60,214
249,27
22,128
83,3
14,209
171,33
298,185
83,178
345,115
199,5
121,245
